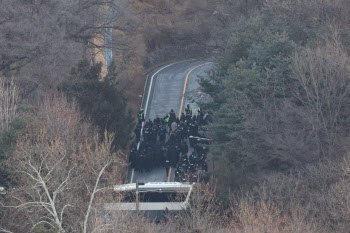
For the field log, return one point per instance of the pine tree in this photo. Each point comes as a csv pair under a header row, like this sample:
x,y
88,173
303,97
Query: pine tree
x,y
100,100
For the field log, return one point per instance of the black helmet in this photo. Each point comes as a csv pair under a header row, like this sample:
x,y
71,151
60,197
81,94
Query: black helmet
x,y
188,105
172,110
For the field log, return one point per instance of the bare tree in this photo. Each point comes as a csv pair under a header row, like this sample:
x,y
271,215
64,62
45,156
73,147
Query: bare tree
x,y
324,90
9,95
40,41
313,122
60,166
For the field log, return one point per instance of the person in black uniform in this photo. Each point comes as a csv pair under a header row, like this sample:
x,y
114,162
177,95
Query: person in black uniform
x,y
177,154
146,132
194,118
188,118
178,136
172,139
149,158
172,117
193,130
184,148
157,120
158,158
183,117
162,135
164,152
200,117
185,130
140,162
153,135
138,132
150,123
172,155
133,155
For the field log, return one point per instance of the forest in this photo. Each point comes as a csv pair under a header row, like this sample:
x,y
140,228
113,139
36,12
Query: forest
x,y
279,105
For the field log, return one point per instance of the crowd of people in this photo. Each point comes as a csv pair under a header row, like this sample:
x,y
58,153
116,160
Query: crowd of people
x,y
164,142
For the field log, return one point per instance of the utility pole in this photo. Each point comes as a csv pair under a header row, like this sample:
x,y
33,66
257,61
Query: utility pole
x,y
137,197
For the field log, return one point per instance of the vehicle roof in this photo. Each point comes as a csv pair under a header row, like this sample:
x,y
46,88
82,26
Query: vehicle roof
x,y
145,206
153,186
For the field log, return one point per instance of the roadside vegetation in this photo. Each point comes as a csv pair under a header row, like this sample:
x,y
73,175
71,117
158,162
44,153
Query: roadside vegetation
x,y
280,92
281,111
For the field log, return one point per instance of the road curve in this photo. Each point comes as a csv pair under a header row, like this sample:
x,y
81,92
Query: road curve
x,y
166,88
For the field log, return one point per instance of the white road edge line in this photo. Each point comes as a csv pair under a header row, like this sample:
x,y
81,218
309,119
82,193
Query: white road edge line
x,y
150,86
145,111
132,175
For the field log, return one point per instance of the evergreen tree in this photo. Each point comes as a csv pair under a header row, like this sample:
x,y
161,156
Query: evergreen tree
x,y
279,97
100,100
250,84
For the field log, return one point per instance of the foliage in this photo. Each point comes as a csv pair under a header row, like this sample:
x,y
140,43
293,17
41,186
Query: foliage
x,y
100,100
60,166
254,71
7,143
279,95
9,98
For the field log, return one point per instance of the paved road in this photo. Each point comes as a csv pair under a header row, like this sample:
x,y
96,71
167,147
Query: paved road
x,y
164,91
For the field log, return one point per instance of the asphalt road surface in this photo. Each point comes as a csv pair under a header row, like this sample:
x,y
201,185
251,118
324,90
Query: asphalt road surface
x,y
170,87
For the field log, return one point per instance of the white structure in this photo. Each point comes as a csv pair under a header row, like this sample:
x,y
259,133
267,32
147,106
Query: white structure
x,y
154,197
2,190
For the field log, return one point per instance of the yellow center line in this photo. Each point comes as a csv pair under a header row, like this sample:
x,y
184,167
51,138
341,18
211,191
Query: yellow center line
x,y
184,91
169,174
182,100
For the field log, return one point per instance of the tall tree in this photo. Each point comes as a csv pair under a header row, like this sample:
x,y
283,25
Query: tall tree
x,y
100,100
275,107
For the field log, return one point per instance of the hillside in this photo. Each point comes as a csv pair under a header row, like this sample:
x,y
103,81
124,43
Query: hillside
x,y
277,96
